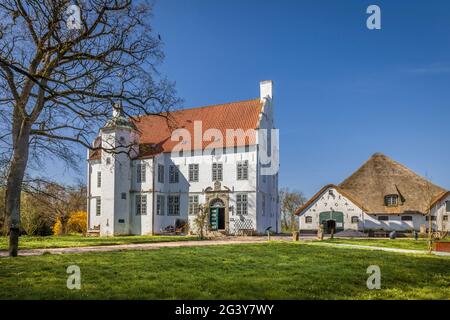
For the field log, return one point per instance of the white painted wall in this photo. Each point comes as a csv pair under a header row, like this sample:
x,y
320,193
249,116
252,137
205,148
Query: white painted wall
x,y
333,201
442,215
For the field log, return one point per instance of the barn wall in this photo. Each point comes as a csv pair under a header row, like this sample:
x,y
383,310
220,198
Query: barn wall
x,y
331,200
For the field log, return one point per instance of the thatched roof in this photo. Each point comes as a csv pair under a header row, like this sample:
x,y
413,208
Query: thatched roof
x,y
381,176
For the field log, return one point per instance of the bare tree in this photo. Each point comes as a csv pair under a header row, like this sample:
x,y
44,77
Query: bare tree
x,y
57,200
290,202
58,81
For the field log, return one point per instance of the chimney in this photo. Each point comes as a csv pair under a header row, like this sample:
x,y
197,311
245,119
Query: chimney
x,y
266,89
117,109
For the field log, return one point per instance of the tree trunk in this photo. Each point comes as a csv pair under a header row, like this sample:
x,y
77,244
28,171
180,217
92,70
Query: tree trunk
x,y
14,181
293,224
64,219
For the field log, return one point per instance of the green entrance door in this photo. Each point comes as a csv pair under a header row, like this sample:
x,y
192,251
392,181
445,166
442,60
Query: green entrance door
x,y
332,219
214,218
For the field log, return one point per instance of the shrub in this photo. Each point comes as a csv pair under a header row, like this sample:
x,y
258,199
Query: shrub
x,y
77,223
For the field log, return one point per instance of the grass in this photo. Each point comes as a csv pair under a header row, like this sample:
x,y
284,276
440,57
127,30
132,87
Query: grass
x,y
402,243
30,242
274,270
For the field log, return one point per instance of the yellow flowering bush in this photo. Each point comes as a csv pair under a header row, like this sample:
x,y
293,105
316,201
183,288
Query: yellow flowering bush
x,y
77,223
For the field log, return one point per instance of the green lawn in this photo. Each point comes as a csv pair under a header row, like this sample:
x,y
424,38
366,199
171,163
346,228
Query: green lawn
x,y
275,270
26,242
420,244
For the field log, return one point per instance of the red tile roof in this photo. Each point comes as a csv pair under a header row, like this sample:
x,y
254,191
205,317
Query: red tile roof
x,y
156,131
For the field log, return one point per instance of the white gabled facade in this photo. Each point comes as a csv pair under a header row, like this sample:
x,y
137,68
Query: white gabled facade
x,y
441,212
351,216
331,200
140,196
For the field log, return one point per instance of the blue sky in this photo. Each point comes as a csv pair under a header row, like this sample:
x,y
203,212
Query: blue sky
x,y
342,92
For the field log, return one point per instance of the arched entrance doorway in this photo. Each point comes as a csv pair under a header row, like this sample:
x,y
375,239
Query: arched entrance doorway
x,y
217,214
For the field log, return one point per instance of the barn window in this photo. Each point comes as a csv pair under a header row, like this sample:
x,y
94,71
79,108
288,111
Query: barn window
x,y
308,219
407,218
447,204
383,218
445,218
391,200
433,218
355,219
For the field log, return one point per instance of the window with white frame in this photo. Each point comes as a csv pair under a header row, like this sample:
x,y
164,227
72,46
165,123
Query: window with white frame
x,y
140,172
355,219
160,173
445,217
391,200
193,204
407,218
173,203
99,179
242,170
174,174
98,206
217,172
193,172
160,204
241,204
141,204
433,218
383,218
308,219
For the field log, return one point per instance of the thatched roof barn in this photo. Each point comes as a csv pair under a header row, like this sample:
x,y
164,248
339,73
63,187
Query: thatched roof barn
x,y
382,193
382,177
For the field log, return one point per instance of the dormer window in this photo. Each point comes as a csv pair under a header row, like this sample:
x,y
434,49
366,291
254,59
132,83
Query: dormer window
x,y
391,200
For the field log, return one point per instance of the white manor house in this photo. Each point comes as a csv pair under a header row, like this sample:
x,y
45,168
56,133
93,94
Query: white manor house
x,y
156,179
